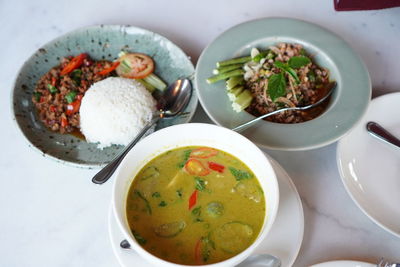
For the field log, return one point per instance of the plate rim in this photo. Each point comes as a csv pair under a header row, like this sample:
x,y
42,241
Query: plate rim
x,y
113,27
364,264
327,32
344,178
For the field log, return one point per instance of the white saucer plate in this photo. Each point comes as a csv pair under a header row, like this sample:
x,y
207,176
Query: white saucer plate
x,y
284,239
344,264
370,168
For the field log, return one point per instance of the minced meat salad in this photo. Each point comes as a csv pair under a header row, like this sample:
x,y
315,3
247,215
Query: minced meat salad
x,y
58,93
282,76
306,83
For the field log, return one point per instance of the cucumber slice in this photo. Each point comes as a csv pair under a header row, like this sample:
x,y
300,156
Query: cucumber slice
x,y
249,190
169,230
233,237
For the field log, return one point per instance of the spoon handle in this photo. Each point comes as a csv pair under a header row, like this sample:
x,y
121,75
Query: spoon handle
x,y
104,174
249,123
381,133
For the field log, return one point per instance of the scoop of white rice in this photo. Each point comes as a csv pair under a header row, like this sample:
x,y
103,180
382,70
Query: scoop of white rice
x,y
114,110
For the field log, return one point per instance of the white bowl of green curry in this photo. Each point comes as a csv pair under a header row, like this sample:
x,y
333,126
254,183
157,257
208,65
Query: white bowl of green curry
x,y
195,194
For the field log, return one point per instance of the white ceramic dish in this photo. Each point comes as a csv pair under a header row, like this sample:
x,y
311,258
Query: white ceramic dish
x,y
370,168
284,239
344,264
200,135
347,105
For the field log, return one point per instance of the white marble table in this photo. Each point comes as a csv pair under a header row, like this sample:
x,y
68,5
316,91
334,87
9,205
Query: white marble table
x,y
52,215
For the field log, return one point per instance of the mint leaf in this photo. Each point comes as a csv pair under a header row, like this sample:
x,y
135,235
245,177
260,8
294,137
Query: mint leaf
x,y
276,87
298,61
239,174
289,70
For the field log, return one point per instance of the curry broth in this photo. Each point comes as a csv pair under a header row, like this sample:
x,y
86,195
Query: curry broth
x,y
186,210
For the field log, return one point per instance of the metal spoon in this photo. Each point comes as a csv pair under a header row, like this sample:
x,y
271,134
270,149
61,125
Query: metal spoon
x,y
382,134
258,260
245,125
170,103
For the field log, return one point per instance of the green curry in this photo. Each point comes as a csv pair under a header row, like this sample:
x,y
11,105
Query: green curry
x,y
195,205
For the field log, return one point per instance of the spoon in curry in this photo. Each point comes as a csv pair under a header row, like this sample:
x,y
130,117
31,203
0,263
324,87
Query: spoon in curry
x,y
331,88
256,260
170,103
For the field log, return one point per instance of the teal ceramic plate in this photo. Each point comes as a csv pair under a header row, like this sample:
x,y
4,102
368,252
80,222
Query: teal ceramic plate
x,y
101,42
347,105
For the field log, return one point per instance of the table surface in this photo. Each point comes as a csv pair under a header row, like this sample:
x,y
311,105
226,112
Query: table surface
x,y
52,215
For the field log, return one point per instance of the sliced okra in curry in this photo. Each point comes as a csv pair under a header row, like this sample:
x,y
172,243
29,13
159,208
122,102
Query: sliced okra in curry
x,y
169,230
249,190
233,237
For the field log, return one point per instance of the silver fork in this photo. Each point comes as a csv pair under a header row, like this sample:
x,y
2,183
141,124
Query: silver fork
x,y
384,263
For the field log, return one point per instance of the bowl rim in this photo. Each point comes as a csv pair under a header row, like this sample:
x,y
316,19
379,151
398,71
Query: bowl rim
x,y
269,217
113,27
345,46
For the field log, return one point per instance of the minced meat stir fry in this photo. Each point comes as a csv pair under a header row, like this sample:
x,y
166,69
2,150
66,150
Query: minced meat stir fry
x,y
58,93
287,77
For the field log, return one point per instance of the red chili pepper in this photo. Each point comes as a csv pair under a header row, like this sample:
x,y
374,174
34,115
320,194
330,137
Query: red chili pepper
x,y
195,167
73,107
105,71
216,167
197,252
42,99
64,122
193,199
53,81
75,63
52,108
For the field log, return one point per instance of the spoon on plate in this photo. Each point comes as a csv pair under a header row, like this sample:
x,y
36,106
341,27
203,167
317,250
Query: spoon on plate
x,y
331,88
170,103
256,260
377,131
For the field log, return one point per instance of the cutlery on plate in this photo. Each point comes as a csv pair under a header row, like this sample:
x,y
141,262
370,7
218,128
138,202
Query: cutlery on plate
x,y
383,263
376,130
245,125
256,260
171,103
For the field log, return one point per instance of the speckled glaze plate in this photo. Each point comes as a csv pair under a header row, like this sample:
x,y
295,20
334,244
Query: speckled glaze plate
x,y
347,105
100,42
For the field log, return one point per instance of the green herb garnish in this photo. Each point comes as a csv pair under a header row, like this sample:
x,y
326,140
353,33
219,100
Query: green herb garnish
x,y
162,203
186,155
239,174
179,193
37,96
196,211
156,195
52,88
276,86
146,202
139,238
311,76
76,76
298,62
70,97
200,184
289,70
